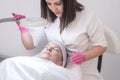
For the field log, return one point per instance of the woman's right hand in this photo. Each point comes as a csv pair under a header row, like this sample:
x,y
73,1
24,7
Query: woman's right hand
x,y
18,17
25,35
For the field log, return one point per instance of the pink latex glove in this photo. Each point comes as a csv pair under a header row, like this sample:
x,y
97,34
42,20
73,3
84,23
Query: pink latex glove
x,y
77,58
18,17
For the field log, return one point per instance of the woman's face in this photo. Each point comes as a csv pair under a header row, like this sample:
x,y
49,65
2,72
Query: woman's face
x,y
56,6
52,52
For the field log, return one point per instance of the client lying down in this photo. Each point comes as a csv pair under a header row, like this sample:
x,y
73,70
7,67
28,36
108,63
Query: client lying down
x,y
47,65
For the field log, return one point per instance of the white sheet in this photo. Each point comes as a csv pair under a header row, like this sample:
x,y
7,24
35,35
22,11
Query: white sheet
x,y
32,68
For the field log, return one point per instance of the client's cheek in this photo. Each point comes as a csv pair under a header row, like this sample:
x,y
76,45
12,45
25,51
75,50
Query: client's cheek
x,y
44,55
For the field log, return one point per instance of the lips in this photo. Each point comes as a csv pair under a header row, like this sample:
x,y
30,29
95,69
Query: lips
x,y
57,13
46,51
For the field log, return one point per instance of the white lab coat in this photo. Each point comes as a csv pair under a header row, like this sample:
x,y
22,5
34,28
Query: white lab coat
x,y
85,31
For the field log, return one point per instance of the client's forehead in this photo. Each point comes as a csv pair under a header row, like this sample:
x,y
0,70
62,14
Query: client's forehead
x,y
53,45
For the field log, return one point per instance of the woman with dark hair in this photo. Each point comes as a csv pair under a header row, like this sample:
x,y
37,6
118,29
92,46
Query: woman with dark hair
x,y
67,14
77,28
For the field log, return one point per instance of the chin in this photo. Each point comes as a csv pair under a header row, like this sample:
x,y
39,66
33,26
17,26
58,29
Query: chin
x,y
59,15
44,56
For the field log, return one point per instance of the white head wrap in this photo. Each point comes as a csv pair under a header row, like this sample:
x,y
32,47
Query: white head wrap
x,y
64,53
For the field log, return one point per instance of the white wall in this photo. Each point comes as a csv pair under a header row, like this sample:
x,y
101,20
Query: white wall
x,y
109,13
10,41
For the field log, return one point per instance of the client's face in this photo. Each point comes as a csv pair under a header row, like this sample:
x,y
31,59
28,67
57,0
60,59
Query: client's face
x,y
52,52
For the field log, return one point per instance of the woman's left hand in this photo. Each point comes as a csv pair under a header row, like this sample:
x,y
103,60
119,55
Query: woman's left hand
x,y
78,58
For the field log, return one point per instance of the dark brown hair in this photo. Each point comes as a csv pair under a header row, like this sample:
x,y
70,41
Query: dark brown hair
x,y
69,12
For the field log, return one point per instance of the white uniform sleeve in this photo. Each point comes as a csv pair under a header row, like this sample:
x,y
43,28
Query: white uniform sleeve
x,y
96,33
38,36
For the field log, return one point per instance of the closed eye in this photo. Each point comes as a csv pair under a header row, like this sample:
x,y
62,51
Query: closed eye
x,y
58,3
57,50
48,3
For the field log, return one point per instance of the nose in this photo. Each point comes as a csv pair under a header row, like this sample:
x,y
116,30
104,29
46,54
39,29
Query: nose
x,y
54,8
49,49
